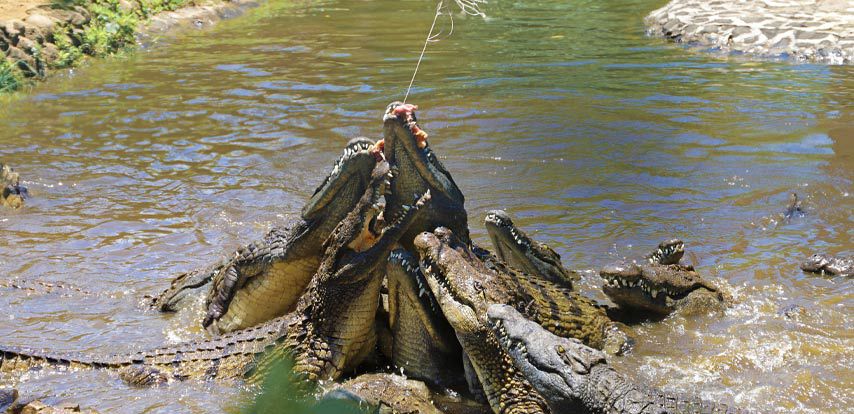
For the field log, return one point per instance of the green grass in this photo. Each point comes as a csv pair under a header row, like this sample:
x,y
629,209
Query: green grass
x,y
11,78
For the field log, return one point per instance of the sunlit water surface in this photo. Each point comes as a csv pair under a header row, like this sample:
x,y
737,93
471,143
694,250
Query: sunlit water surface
x,y
599,140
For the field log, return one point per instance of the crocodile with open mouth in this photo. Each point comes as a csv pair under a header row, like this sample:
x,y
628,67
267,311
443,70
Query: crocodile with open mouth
x,y
462,291
660,286
330,332
514,247
423,345
574,378
464,280
405,145
263,280
829,265
657,287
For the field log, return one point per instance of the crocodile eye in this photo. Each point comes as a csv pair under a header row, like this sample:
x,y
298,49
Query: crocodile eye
x,y
560,349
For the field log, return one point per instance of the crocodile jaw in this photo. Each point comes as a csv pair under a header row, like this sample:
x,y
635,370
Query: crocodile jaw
x,y
451,281
420,171
424,345
518,250
668,252
356,162
656,289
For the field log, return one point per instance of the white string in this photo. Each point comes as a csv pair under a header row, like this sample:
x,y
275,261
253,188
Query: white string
x,y
469,7
424,49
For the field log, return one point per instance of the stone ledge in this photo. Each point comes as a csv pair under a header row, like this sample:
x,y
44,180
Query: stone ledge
x,y
803,30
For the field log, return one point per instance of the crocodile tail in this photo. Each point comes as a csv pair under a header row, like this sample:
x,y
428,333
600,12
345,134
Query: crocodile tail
x,y
607,391
233,355
14,359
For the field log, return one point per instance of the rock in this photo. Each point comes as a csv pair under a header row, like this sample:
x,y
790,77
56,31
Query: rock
x,y
25,62
38,407
69,16
36,32
82,11
76,36
13,28
5,42
50,53
41,21
25,44
125,6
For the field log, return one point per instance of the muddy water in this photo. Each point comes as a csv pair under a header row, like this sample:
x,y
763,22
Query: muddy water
x,y
600,141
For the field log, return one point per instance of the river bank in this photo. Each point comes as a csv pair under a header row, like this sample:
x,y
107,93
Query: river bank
x,y
37,36
804,30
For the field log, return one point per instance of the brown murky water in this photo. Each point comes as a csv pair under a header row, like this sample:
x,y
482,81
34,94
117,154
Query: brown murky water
x,y
601,141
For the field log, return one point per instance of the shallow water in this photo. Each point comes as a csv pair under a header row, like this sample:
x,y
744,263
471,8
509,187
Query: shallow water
x,y
600,140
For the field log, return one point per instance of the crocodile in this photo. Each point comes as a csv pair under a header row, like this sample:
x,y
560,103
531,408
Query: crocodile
x,y
660,286
12,403
423,344
42,287
264,279
329,333
405,145
514,247
384,393
660,290
566,312
829,265
517,249
794,208
574,378
668,252
12,193
8,397
463,293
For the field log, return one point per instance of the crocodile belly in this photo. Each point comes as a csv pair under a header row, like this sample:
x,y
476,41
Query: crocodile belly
x,y
269,295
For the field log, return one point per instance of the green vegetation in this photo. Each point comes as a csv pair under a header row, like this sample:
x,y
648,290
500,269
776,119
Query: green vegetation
x,y
112,28
68,53
282,393
10,77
